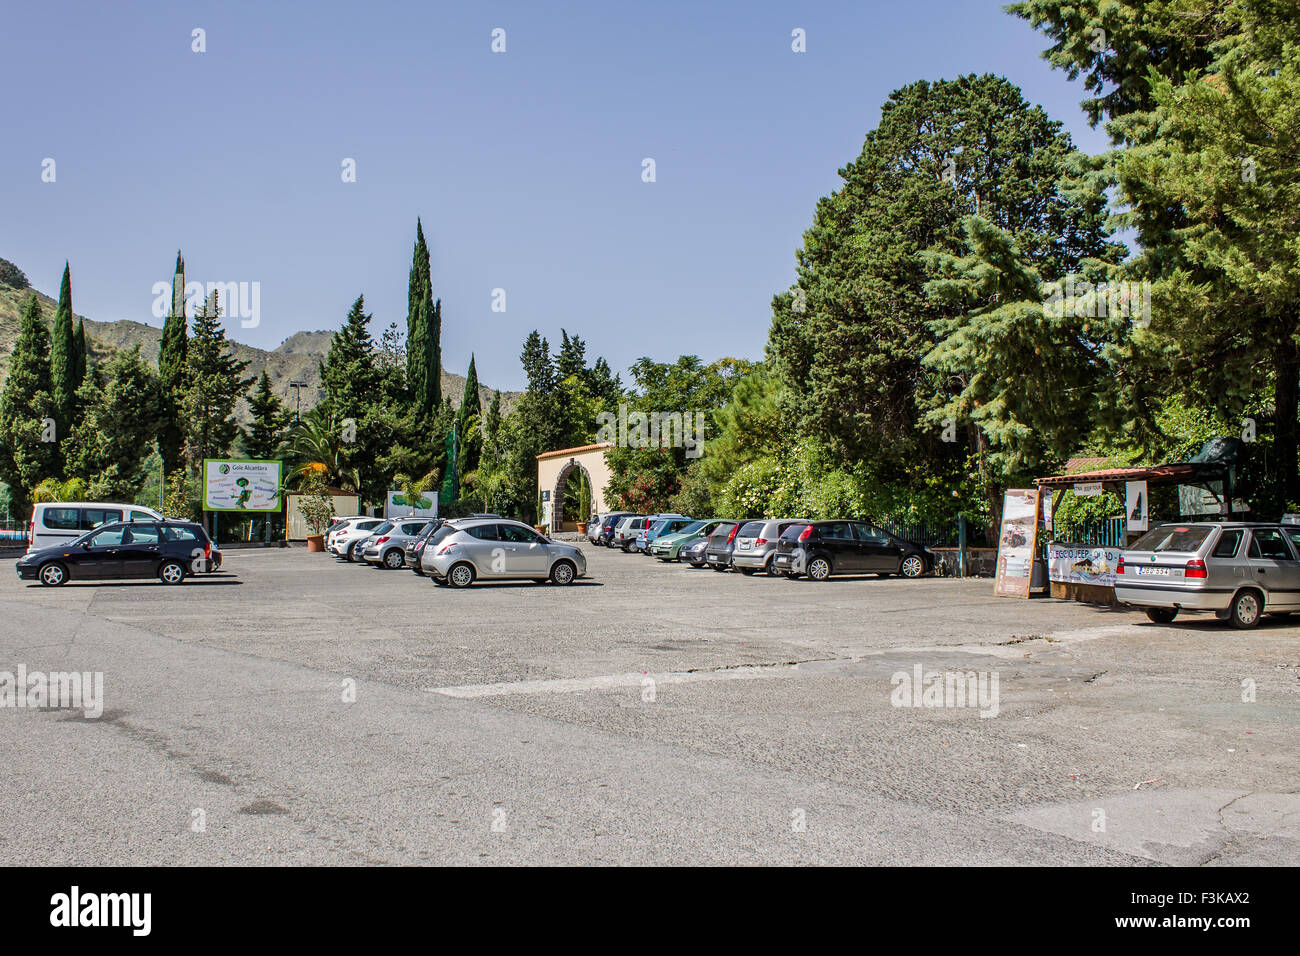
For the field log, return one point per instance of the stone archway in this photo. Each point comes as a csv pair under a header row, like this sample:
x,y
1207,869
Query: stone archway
x,y
554,468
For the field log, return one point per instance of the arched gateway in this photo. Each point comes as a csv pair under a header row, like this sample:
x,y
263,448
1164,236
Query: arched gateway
x,y
554,468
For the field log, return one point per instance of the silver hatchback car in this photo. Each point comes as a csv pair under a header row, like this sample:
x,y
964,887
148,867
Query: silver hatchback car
x,y
497,550
1239,570
756,543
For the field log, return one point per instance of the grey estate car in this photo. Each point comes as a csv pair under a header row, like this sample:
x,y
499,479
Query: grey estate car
x,y
496,550
756,544
1239,570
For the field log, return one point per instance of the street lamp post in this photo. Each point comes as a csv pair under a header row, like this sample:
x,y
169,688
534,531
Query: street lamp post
x,y
297,387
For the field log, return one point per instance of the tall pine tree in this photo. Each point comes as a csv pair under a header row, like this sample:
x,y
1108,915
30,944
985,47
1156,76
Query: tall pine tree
x,y
263,438
171,371
63,358
27,402
214,381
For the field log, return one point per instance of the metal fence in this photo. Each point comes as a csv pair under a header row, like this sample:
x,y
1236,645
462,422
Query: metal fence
x,y
936,534
13,532
1108,533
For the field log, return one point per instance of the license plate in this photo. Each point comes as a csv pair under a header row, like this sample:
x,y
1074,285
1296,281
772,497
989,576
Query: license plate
x,y
744,545
1160,572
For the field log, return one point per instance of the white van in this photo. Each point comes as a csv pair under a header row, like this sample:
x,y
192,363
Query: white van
x,y
58,522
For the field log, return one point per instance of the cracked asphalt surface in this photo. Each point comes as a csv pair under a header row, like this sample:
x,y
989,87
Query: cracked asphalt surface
x,y
648,714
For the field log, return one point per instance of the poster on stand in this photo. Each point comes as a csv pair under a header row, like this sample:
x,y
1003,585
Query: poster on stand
x,y
1016,541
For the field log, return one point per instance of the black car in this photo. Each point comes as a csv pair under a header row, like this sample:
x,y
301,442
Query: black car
x,y
822,548
717,554
415,547
167,550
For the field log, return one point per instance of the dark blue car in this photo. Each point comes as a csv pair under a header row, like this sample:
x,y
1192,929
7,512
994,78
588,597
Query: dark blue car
x,y
167,550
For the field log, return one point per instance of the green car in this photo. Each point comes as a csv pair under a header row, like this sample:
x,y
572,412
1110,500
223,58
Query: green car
x,y
667,547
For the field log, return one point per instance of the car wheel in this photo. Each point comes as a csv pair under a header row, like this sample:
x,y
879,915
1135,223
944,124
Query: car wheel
x,y
624,547
912,566
171,572
460,575
1245,610
394,559
1162,615
53,574
563,572
348,557
819,569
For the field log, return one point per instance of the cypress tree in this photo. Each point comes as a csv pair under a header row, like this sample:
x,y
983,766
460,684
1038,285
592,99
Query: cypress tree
x,y
417,316
469,419
171,371
83,359
423,331
26,458
63,357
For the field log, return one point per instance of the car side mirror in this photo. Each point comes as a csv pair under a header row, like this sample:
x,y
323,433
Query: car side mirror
x,y
85,545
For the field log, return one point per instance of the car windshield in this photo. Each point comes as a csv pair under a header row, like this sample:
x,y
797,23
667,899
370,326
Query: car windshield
x,y
693,527
1172,537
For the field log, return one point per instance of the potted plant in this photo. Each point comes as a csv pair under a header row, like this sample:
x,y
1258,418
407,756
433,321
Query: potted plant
x,y
317,508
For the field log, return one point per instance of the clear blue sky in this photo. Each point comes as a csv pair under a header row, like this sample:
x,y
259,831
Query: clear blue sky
x,y
525,166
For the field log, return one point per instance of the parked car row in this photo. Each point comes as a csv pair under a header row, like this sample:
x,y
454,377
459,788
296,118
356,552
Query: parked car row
x,y
793,547
457,551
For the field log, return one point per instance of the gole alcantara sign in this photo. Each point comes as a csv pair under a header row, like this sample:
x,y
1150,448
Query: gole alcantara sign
x,y
231,484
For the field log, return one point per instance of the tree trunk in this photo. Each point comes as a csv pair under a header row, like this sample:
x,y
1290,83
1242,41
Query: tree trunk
x,y
980,445
1286,440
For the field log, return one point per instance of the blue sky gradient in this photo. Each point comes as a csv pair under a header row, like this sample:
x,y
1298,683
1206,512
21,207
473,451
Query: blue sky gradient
x,y
525,166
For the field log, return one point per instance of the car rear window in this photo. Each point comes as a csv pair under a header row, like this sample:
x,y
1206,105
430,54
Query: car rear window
x,y
751,529
1172,537
1228,544
444,532
721,532
792,533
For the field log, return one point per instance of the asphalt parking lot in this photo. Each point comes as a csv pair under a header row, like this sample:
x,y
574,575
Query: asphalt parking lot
x,y
309,711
